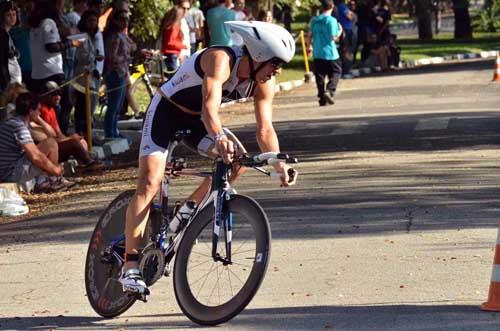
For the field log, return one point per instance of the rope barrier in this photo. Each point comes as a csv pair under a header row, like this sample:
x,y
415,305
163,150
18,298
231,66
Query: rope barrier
x,y
64,84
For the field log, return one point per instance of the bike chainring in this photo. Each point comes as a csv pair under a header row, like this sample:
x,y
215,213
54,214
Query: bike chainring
x,y
151,264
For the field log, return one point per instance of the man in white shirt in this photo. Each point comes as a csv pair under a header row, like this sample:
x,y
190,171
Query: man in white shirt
x,y
196,21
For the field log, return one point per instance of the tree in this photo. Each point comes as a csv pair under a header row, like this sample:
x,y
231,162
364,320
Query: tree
x,y
146,18
423,12
463,28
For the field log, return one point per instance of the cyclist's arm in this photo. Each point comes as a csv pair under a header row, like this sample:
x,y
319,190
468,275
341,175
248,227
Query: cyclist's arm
x,y
263,102
266,135
216,66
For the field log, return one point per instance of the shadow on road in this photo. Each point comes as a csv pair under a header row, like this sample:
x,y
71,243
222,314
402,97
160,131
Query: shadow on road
x,y
337,209
434,316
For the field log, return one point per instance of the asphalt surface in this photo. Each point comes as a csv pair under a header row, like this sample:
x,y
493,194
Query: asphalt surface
x,y
391,227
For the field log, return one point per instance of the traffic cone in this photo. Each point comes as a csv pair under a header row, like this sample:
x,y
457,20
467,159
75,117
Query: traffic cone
x,y
496,74
493,303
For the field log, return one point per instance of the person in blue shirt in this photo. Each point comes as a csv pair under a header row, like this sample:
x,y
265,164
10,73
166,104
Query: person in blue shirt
x,y
345,18
323,33
219,33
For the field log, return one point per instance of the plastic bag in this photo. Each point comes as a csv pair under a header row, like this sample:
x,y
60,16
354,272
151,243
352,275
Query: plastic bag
x,y
11,204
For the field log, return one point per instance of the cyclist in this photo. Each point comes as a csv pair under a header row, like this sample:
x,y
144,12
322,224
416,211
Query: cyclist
x,y
191,100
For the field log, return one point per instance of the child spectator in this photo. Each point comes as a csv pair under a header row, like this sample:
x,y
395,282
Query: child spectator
x,y
323,34
10,71
265,16
86,58
21,160
73,145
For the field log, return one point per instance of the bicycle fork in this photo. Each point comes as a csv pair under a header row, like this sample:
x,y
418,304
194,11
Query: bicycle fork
x,y
223,217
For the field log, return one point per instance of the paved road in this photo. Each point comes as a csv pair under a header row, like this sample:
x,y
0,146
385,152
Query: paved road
x,y
391,227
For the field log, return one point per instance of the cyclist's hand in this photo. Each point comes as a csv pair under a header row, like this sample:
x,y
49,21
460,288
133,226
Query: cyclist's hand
x,y
288,175
76,43
225,147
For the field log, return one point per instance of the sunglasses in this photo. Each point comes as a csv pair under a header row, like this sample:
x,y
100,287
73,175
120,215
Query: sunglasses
x,y
56,93
276,63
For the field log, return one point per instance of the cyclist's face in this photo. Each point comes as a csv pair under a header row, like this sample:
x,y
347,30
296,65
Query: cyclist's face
x,y
10,18
268,71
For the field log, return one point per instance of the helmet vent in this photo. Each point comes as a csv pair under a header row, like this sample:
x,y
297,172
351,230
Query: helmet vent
x,y
284,43
256,33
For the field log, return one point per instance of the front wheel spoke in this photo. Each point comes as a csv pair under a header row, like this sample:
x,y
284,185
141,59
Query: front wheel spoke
x,y
235,275
242,252
242,264
205,276
202,254
199,264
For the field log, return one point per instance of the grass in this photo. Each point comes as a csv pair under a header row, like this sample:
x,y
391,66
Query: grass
x,y
444,44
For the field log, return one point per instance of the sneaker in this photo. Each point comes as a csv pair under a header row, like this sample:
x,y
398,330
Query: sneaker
x,y
329,99
92,166
61,184
132,282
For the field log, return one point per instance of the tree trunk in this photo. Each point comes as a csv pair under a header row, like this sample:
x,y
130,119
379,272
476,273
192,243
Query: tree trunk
x,y
423,11
463,28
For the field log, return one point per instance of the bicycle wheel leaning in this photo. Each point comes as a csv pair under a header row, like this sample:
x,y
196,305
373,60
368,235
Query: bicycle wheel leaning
x,y
104,291
208,292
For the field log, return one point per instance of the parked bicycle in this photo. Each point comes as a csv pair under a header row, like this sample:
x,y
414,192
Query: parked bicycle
x,y
147,73
221,254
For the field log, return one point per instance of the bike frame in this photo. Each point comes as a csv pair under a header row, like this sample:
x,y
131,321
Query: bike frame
x,y
218,195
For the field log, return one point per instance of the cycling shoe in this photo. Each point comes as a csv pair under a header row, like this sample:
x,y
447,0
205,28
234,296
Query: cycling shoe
x,y
133,284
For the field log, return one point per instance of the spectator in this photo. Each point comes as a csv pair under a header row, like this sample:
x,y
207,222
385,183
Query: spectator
x,y
239,15
20,35
11,93
117,58
21,160
324,32
10,71
47,48
355,29
287,17
394,52
79,7
375,54
265,16
98,7
185,5
196,21
219,33
86,58
382,19
365,21
73,145
172,38
345,17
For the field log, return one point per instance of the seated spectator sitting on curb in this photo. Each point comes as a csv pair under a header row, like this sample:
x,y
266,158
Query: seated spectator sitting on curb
x,y
20,159
374,54
48,127
394,51
11,93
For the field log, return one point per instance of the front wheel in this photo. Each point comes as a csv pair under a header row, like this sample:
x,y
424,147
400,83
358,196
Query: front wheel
x,y
210,292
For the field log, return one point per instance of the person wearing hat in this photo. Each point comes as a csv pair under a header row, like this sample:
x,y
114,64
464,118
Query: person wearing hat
x,y
73,145
21,160
10,71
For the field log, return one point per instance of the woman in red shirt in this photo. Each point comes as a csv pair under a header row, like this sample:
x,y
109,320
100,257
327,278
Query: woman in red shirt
x,y
172,37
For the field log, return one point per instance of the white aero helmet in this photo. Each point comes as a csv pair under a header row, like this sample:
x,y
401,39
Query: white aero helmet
x,y
264,41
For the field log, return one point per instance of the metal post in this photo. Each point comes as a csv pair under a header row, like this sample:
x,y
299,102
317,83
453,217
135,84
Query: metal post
x,y
308,76
87,107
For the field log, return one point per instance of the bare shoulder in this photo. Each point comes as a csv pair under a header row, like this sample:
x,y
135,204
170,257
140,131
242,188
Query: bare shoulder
x,y
215,60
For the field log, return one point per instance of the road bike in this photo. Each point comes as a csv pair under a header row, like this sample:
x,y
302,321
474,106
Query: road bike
x,y
221,254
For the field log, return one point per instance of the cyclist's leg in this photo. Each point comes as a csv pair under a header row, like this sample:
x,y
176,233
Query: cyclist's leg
x,y
152,159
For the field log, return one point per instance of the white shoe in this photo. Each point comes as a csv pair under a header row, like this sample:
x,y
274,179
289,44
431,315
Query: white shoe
x,y
133,282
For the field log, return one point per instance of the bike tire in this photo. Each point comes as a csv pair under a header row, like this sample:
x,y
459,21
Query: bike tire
x,y
143,93
244,209
104,293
